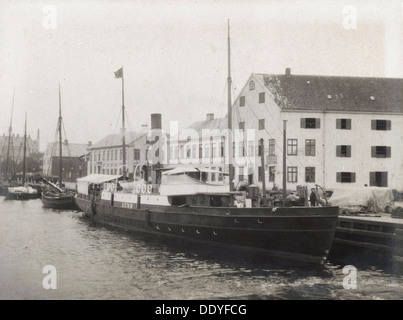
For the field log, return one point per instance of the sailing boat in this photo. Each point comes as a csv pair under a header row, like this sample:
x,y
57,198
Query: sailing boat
x,y
55,197
6,182
23,192
210,216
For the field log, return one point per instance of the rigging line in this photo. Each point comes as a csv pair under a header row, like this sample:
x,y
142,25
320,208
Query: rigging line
x,y
117,120
221,106
216,80
65,138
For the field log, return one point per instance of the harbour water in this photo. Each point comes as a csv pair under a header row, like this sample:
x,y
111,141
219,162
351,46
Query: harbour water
x,y
94,262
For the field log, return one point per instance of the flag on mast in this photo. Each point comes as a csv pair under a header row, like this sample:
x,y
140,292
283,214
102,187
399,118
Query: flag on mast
x,y
119,73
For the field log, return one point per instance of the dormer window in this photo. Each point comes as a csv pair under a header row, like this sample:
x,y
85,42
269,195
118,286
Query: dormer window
x,y
252,85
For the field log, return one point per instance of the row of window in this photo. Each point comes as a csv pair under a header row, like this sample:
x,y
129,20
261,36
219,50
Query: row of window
x,y
376,178
111,155
214,150
343,124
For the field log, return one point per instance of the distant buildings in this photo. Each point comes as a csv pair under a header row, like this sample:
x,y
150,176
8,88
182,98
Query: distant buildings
x,y
106,156
14,147
74,160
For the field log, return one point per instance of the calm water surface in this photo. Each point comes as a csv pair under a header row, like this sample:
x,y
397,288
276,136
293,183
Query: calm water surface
x,y
94,262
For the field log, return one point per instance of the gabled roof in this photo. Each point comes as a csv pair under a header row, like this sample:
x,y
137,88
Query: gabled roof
x,y
333,93
115,140
219,123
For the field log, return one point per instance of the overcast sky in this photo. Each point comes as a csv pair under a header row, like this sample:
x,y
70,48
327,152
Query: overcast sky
x,y
174,55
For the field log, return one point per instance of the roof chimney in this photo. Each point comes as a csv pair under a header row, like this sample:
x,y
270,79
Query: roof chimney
x,y
288,71
209,116
156,121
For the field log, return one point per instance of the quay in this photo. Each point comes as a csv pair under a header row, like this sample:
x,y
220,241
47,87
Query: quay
x,y
369,238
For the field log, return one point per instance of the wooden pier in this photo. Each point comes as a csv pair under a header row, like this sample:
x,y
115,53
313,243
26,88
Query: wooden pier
x,y
369,239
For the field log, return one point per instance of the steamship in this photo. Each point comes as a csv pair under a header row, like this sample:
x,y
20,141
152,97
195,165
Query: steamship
x,y
183,203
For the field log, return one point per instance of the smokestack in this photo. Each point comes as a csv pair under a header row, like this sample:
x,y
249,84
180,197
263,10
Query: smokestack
x,y
156,121
209,116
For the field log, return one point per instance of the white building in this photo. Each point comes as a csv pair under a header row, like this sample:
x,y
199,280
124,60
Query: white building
x,y
341,131
106,156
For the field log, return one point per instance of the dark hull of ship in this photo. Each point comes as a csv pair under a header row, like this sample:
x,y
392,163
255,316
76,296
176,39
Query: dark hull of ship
x,y
61,202
22,196
302,234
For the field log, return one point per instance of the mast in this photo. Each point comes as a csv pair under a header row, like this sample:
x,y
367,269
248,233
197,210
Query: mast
x,y
230,134
263,176
123,128
284,158
25,150
9,136
59,127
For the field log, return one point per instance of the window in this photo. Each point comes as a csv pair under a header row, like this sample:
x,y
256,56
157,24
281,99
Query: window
x,y
382,125
272,147
136,154
242,125
222,149
262,97
343,151
207,151
260,174
309,174
344,124
241,174
378,179
380,152
310,123
345,177
251,148
252,85
241,151
220,176
292,147
310,147
261,124
200,151
242,101
194,155
271,173
292,174
213,174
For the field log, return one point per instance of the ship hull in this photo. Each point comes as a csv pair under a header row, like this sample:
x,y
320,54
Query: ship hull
x,y
299,233
59,202
22,196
